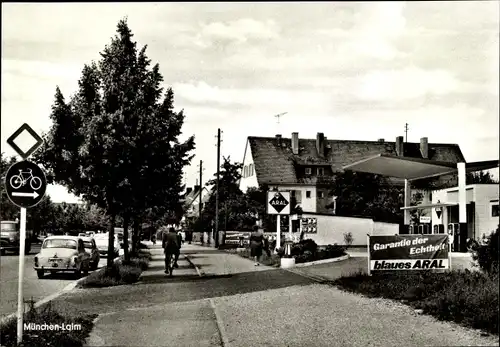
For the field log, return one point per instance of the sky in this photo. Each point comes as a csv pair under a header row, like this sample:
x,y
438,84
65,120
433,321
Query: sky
x,y
352,70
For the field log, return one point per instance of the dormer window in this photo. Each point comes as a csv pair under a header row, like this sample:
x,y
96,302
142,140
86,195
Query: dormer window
x,y
321,171
308,170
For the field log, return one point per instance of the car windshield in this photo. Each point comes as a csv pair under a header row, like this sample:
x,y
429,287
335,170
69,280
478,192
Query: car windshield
x,y
60,243
87,244
9,227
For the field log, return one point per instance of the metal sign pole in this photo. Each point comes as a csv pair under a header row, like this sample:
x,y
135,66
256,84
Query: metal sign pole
x,y
20,299
278,231
369,261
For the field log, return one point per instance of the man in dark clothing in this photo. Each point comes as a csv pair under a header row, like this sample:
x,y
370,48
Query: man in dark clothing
x,y
171,245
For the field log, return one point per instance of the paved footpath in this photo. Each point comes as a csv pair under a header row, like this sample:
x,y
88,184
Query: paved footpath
x,y
236,304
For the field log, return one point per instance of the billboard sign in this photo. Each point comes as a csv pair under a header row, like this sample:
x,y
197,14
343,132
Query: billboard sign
x,y
408,252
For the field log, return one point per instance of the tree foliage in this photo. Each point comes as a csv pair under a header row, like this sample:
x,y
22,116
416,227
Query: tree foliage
x,y
8,211
367,195
487,255
115,143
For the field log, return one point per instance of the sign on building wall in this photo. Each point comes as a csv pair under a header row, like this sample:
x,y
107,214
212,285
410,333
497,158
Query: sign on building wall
x,y
309,225
408,252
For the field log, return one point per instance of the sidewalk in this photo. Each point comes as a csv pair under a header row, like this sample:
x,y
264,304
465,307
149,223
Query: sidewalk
x,y
210,261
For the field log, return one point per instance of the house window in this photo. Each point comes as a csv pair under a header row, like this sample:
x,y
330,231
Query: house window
x,y
494,210
308,194
321,194
245,171
250,169
308,170
297,194
321,171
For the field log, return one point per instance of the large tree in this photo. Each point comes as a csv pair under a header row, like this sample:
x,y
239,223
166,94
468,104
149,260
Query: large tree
x,y
115,142
8,211
234,213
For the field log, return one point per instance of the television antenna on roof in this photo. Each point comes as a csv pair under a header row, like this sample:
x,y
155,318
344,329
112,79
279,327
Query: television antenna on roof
x,y
280,115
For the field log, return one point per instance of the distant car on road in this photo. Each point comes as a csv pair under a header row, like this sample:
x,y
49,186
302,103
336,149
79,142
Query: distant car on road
x,y
91,248
10,237
62,254
82,234
102,241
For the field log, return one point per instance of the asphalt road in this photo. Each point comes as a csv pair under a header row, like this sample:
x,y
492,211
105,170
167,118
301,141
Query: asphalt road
x,y
257,307
32,286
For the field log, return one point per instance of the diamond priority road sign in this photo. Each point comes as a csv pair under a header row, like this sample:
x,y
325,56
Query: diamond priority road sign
x,y
278,203
25,184
11,141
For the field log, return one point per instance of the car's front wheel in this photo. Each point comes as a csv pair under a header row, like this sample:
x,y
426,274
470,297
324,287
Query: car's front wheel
x,y
85,270
40,273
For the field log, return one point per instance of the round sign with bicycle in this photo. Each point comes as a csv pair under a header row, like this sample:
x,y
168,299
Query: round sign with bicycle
x,y
25,184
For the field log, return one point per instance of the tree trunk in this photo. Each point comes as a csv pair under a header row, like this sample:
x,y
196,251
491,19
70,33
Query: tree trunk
x,y
111,235
126,219
135,230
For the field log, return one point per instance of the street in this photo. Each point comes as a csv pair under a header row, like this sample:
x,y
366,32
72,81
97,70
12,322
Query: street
x,y
234,303
33,287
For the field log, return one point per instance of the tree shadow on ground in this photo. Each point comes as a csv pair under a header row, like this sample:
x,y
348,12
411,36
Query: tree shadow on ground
x,y
162,267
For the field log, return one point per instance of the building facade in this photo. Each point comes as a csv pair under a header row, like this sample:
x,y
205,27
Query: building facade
x,y
306,167
482,209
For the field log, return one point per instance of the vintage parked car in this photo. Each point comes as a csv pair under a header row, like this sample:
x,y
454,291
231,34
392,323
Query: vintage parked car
x,y
62,254
91,248
102,240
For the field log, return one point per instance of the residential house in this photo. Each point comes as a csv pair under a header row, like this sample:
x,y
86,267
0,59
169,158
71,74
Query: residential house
x,y
306,167
192,202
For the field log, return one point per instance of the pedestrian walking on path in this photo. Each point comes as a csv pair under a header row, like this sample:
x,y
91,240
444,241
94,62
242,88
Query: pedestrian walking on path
x,y
256,245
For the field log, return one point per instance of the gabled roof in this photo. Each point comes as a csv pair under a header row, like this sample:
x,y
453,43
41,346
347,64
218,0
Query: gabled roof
x,y
275,164
193,196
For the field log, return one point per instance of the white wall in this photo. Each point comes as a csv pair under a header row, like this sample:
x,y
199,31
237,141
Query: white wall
x,y
442,196
307,204
250,181
480,194
331,229
485,223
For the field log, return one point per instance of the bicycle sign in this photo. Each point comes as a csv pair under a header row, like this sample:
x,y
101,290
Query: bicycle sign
x,y
25,184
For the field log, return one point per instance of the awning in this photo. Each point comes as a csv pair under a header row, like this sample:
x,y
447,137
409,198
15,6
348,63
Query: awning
x,y
412,168
419,207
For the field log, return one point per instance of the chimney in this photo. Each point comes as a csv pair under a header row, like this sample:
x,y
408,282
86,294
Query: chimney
x,y
424,147
381,140
278,139
295,143
189,190
399,146
320,144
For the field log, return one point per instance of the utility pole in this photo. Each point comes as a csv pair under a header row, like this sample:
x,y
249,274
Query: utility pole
x,y
217,192
406,132
200,206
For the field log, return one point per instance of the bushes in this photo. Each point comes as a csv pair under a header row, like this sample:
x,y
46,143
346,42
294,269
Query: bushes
x,y
56,337
120,272
487,255
469,298
307,251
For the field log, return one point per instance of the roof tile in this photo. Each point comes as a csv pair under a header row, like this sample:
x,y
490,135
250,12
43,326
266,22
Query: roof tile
x,y
275,164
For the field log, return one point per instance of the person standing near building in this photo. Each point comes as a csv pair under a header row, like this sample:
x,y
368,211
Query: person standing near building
x,y
256,244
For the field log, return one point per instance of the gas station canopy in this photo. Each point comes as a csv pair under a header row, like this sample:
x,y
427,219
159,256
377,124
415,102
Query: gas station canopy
x,y
413,168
